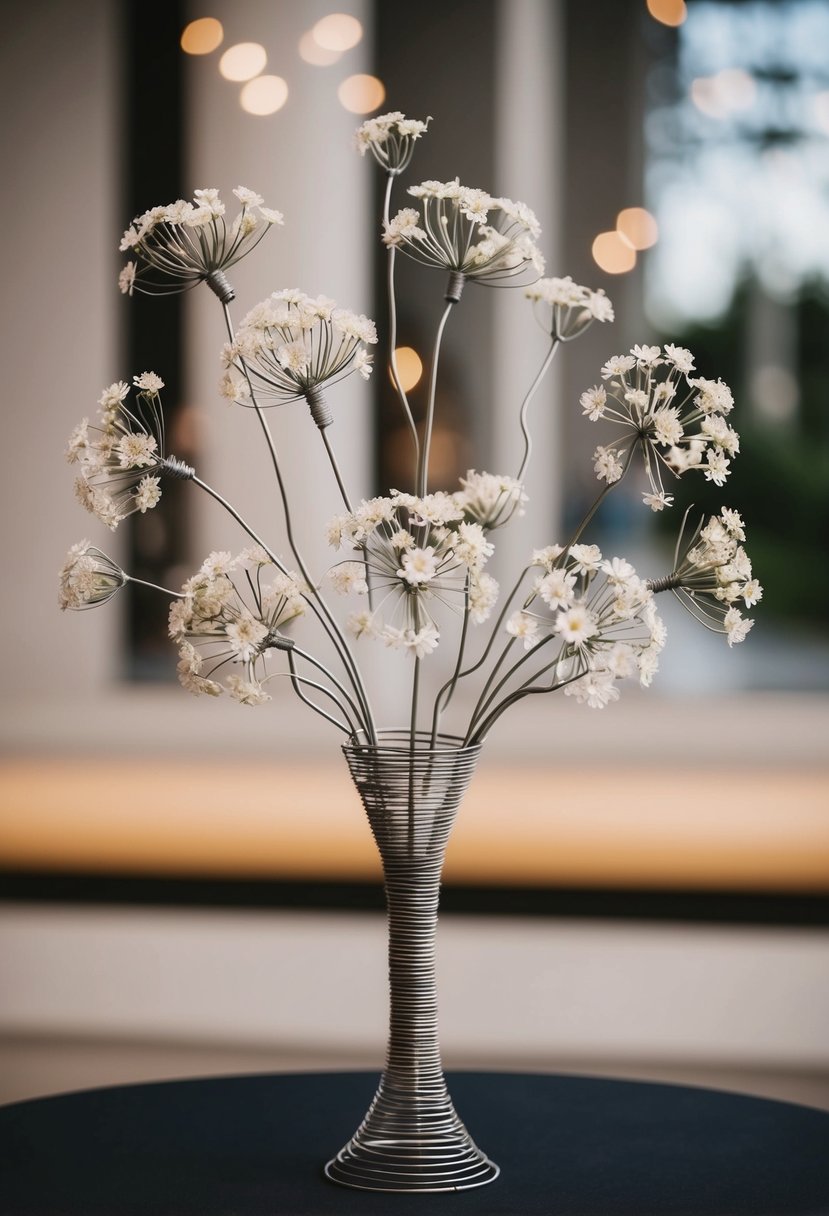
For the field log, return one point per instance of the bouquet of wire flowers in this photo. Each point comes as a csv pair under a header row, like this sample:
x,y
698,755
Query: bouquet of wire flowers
x,y
413,561
413,564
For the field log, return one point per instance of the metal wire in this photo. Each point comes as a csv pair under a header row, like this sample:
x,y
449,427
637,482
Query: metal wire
x,y
412,1138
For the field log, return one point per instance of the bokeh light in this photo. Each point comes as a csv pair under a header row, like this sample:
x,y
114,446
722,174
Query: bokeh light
x,y
613,254
202,36
669,12
821,110
361,94
409,367
337,32
243,61
311,51
638,227
264,95
722,94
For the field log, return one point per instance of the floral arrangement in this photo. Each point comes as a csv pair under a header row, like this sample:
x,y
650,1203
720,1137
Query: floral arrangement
x,y
412,562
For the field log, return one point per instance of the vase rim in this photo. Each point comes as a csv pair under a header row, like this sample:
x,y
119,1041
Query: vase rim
x,y
397,741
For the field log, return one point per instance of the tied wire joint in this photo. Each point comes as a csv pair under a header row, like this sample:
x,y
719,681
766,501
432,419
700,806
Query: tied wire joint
x,y
320,410
219,284
454,286
668,583
173,467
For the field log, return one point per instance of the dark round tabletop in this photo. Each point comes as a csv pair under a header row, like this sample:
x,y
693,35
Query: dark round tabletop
x,y
567,1146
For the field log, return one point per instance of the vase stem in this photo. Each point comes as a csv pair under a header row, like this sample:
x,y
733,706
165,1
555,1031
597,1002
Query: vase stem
x,y
412,1139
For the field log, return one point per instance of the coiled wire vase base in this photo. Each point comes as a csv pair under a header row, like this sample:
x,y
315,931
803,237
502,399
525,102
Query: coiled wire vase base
x,y
412,1138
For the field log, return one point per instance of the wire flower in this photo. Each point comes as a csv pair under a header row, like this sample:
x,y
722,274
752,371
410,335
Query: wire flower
x,y
391,139
290,346
182,244
564,309
88,577
228,621
121,460
417,552
489,499
467,232
597,615
678,421
713,574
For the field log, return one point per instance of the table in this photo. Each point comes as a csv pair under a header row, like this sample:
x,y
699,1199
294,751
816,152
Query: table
x,y
567,1146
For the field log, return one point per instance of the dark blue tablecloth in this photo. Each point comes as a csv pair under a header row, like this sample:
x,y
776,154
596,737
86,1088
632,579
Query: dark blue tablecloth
x,y
567,1146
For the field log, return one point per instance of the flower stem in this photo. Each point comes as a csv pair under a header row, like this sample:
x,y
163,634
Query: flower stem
x,y
423,463
528,443
322,611
395,375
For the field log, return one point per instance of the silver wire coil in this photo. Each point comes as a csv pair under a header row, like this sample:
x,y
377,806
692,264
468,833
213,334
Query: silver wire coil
x,y
412,1139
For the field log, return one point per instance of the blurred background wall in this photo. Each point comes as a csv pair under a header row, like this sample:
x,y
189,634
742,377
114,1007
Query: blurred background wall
x,y
188,885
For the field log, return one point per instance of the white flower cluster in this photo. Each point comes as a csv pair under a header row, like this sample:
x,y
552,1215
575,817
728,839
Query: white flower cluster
x,y
599,618
467,231
715,574
565,309
678,420
88,577
489,499
121,460
225,635
182,243
416,553
291,344
390,138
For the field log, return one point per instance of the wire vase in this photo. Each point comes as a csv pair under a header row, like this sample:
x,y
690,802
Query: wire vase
x,y
412,1138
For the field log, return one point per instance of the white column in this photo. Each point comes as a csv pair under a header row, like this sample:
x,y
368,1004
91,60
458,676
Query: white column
x,y
60,317
528,159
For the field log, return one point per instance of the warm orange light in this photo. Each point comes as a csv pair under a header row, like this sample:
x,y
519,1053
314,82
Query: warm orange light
x,y
243,61
669,12
264,95
202,36
337,32
311,51
613,254
361,94
638,227
409,367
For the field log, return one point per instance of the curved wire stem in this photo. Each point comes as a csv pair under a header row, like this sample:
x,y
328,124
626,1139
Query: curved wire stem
x,y
349,700
525,405
322,611
448,690
526,690
493,635
423,462
574,539
392,299
297,680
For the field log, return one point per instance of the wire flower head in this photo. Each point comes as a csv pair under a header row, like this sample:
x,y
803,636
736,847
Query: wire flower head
x,y
489,499
182,244
565,310
88,577
121,461
467,232
417,553
391,140
678,421
712,574
291,346
229,619
597,616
